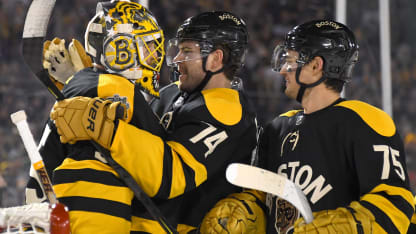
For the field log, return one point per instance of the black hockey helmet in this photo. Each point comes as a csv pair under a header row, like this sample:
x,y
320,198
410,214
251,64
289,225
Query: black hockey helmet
x,y
332,41
212,29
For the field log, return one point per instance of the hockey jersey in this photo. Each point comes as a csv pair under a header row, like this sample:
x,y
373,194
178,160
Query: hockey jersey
x,y
349,151
206,131
89,187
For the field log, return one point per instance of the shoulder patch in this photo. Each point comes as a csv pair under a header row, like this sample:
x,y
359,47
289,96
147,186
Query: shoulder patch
x,y
290,113
377,119
118,88
224,105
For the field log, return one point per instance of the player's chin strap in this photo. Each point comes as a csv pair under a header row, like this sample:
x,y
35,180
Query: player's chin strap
x,y
208,75
304,86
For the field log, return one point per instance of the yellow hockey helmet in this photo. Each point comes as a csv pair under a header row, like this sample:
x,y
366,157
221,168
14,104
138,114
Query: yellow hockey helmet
x,y
126,39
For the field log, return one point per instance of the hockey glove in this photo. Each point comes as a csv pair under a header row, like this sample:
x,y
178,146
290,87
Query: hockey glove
x,y
79,57
62,63
82,118
353,219
237,213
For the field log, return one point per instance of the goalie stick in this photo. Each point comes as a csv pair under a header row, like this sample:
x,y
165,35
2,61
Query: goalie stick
x,y
251,177
34,32
59,213
19,119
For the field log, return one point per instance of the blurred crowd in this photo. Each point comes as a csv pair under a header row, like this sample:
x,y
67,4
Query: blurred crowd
x,y
267,21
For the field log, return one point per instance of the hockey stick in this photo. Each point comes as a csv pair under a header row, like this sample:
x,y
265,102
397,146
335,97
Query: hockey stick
x,y
33,35
19,119
34,32
259,179
59,215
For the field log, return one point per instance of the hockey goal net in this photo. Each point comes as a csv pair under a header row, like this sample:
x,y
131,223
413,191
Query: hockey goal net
x,y
35,218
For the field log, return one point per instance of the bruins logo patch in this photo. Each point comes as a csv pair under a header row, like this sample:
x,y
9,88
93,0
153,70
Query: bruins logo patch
x,y
286,215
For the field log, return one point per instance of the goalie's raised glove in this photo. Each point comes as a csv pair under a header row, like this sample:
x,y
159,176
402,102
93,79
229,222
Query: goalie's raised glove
x,y
83,118
62,63
352,220
237,213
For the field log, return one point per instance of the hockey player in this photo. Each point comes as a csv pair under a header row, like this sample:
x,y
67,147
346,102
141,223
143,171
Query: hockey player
x,y
345,155
127,47
208,124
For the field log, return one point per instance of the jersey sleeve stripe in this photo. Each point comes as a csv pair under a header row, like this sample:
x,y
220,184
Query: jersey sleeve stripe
x,y
72,175
141,225
167,176
93,190
178,177
199,168
96,223
400,203
130,147
394,190
381,218
98,205
189,176
143,155
378,229
395,215
72,164
413,220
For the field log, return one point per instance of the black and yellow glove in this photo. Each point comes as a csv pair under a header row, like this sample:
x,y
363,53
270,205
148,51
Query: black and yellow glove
x,y
351,220
83,118
237,213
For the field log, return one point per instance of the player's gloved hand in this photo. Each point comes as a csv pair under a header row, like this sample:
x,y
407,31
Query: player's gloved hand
x,y
79,57
62,63
341,220
83,118
237,213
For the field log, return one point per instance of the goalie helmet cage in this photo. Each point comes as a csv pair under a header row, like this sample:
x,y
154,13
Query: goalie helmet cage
x,y
35,218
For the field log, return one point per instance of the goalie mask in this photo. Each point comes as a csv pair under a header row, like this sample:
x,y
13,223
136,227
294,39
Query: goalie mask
x,y
125,38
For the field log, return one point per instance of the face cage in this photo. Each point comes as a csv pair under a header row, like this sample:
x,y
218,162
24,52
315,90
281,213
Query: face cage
x,y
156,54
175,55
124,51
280,58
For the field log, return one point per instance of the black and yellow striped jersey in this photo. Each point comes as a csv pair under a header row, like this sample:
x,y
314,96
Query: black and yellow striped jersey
x,y
205,132
92,83
349,151
97,198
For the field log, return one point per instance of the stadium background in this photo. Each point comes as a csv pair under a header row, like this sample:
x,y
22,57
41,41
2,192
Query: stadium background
x,y
267,21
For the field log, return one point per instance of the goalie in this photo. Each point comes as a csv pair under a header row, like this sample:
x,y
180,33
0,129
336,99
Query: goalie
x,y
127,52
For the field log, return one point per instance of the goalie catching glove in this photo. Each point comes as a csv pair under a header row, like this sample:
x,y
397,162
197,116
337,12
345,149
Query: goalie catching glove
x,y
352,220
62,63
237,213
83,118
